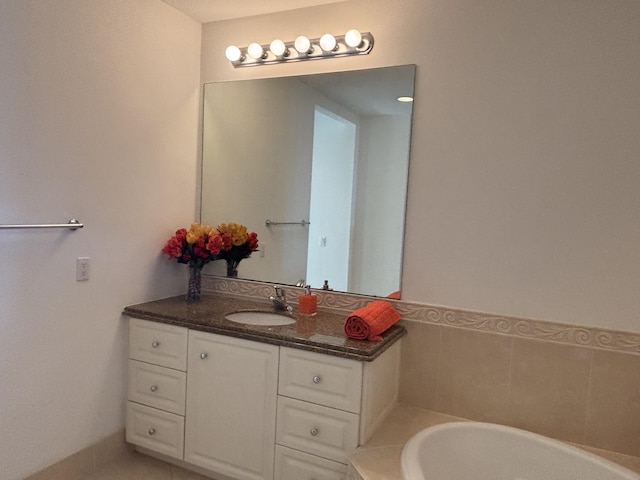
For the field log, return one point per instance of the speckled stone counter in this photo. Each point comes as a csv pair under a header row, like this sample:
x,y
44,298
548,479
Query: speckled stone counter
x,y
322,333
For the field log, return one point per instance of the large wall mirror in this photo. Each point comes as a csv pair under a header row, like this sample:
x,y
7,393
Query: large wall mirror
x,y
328,149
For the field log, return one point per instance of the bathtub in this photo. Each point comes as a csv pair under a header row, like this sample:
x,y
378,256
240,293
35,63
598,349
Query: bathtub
x,y
484,451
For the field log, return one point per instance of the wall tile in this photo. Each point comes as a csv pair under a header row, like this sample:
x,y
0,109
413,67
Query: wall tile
x,y
419,365
473,378
549,388
613,414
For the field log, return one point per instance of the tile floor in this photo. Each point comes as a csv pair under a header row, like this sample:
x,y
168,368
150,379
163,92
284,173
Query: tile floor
x,y
137,466
379,459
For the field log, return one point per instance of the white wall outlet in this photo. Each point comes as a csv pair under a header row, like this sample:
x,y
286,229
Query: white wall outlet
x,y
82,268
263,247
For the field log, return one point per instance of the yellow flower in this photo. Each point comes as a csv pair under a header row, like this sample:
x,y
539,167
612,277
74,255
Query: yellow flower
x,y
196,231
236,232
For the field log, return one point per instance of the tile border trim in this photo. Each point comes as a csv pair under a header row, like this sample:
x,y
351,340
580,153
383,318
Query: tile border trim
x,y
505,325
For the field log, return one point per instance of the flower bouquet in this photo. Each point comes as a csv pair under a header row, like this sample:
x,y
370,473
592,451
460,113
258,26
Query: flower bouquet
x,y
202,244
237,244
195,247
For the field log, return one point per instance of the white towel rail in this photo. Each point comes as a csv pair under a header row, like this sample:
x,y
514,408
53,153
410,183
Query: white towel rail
x,y
269,223
73,224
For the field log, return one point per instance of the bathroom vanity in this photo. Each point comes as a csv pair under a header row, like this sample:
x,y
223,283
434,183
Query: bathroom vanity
x,y
249,402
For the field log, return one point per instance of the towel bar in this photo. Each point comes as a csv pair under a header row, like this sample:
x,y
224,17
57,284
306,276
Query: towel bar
x,y
268,223
73,224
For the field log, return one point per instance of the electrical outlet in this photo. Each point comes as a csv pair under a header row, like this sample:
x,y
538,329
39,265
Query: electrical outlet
x,y
82,269
263,247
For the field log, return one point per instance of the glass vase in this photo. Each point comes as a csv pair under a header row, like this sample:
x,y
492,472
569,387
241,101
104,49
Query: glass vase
x,y
232,268
195,281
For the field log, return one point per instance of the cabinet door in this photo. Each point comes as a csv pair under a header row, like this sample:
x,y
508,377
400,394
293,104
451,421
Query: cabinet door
x,y
314,377
295,465
158,343
231,405
323,431
158,387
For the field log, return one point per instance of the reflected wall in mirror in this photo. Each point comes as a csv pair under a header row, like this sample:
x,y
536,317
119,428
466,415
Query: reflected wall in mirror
x,y
331,149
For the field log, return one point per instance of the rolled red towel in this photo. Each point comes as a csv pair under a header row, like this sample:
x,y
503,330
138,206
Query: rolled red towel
x,y
368,322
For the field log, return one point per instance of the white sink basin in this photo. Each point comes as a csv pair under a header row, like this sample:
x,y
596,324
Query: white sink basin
x,y
260,318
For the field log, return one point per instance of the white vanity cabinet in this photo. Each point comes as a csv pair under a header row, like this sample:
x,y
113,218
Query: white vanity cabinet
x,y
231,405
246,410
157,387
327,406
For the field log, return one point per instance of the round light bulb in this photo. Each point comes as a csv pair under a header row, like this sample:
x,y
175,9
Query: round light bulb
x,y
278,48
302,44
255,50
328,42
353,38
405,99
233,53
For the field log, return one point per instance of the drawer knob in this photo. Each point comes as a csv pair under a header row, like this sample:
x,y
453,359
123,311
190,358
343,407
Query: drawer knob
x,y
314,431
152,431
153,388
155,344
204,355
317,379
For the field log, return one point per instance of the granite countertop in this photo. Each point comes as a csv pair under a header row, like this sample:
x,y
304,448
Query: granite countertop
x,y
322,333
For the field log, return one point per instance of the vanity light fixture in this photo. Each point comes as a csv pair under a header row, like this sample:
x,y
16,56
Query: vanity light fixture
x,y
303,45
328,42
255,51
353,38
278,48
234,54
302,48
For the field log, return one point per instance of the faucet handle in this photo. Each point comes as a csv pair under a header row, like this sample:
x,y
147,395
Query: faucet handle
x,y
280,293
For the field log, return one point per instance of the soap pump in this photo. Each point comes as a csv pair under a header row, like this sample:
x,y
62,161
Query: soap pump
x,y
307,302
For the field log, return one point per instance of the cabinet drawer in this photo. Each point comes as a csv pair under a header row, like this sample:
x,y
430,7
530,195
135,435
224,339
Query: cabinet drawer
x,y
332,381
157,343
315,429
157,387
156,430
295,465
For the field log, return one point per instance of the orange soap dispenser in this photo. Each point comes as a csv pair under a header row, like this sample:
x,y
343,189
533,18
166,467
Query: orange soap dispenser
x,y
308,302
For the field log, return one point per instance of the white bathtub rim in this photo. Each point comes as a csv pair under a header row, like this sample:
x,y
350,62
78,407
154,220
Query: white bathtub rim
x,y
410,471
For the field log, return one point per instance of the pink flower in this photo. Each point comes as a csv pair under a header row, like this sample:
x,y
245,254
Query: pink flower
x,y
214,245
253,241
173,248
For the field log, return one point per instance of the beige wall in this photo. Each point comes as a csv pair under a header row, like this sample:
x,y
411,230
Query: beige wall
x,y
98,120
523,183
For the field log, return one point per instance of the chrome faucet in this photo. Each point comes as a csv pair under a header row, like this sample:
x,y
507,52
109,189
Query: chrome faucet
x,y
279,300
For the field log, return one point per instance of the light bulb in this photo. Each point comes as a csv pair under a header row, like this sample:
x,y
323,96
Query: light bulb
x,y
233,53
278,48
405,99
328,42
302,44
255,50
353,38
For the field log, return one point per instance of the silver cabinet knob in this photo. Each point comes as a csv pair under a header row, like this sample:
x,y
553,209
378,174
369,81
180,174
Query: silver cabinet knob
x,y
153,388
155,344
204,355
317,379
152,431
314,431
